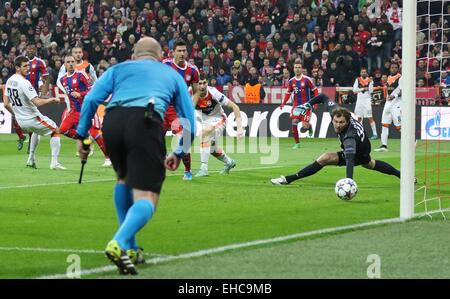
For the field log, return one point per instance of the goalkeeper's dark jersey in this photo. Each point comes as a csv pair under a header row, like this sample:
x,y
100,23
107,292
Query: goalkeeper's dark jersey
x,y
354,139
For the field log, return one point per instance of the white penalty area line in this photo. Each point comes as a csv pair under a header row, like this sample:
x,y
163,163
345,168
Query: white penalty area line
x,y
205,252
67,250
112,179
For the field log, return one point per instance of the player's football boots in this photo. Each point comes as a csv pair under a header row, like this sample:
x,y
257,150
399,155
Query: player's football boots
x,y
20,143
57,167
120,258
374,137
296,146
31,164
107,163
187,176
136,256
202,172
382,148
226,169
279,181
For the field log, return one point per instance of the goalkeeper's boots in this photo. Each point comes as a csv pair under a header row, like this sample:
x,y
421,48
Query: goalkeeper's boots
x,y
226,169
382,148
310,132
136,256
120,258
279,181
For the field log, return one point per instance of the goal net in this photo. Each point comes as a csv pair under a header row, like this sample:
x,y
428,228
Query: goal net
x,y
432,161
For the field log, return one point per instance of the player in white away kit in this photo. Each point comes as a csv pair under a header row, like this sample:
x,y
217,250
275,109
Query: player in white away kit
x,y
22,100
363,87
210,101
392,108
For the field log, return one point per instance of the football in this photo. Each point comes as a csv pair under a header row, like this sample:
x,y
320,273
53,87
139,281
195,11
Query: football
x,y
346,189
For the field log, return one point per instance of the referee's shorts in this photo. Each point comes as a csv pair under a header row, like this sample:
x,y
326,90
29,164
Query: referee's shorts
x,y
136,147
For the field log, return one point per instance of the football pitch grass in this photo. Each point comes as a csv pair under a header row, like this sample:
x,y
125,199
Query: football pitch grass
x,y
205,228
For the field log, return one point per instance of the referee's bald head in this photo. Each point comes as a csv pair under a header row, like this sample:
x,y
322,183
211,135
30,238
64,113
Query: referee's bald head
x,y
147,47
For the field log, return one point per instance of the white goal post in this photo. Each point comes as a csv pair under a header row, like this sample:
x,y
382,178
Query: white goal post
x,y
408,133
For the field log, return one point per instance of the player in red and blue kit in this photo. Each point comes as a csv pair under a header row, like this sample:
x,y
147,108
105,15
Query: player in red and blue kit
x,y
76,85
190,75
302,87
38,71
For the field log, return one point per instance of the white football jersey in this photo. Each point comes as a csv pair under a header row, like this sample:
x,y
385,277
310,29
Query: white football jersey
x,y
20,93
211,104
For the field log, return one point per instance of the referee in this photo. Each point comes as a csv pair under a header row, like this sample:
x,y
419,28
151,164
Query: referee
x,y
141,90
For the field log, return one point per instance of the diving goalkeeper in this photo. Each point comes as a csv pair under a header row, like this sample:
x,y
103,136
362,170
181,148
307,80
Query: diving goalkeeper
x,y
354,143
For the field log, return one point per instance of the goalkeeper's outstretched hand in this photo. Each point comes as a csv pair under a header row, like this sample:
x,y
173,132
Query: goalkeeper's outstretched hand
x,y
301,109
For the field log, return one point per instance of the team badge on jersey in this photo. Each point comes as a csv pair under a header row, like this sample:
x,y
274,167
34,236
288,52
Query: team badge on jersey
x,y
188,77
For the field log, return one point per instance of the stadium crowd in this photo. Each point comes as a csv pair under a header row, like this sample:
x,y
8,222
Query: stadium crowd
x,y
231,41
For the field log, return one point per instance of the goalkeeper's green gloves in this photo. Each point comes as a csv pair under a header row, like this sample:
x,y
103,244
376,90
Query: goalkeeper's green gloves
x,y
301,109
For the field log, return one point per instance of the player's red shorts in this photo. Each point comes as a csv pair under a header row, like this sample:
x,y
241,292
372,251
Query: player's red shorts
x,y
303,118
69,121
171,121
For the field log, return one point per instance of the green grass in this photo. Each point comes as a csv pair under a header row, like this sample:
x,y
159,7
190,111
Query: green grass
x,y
206,213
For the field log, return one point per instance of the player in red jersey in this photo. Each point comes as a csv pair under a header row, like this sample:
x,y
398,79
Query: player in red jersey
x,y
190,74
301,86
76,85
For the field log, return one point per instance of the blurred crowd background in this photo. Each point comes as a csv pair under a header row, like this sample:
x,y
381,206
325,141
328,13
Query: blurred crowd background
x,y
232,41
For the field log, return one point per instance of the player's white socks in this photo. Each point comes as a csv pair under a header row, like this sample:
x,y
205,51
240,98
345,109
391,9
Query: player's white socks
x,y
374,129
34,142
224,158
55,145
384,135
204,156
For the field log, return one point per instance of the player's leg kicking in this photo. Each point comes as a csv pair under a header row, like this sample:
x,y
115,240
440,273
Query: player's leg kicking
x,y
306,126
68,128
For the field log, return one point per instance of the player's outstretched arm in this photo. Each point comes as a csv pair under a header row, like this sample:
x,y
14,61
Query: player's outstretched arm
x,y
237,114
41,102
349,152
